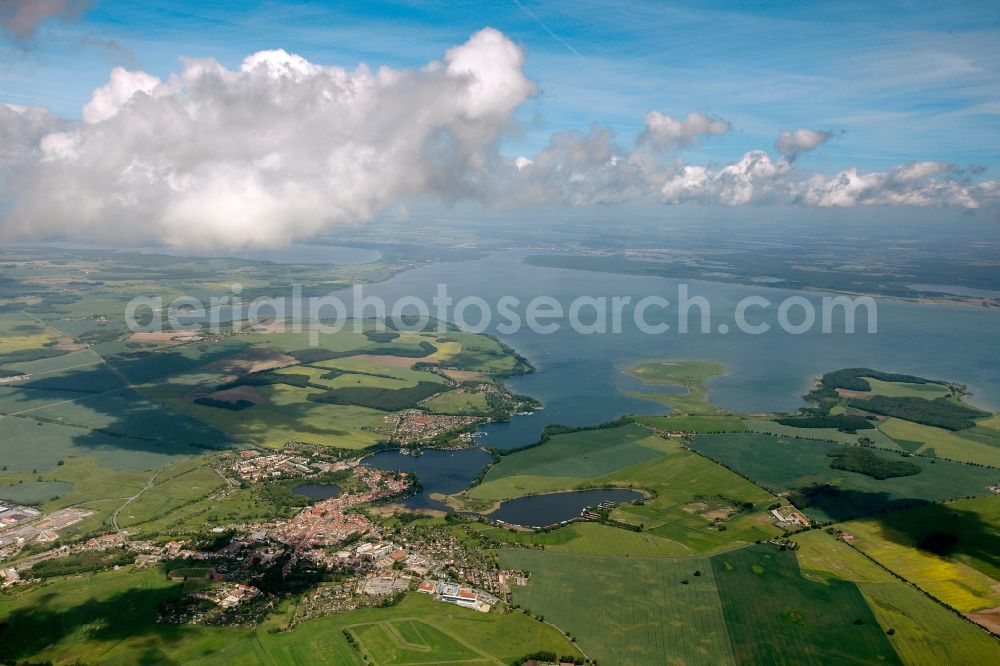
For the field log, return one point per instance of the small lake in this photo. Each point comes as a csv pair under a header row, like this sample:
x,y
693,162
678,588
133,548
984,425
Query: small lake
x,y
317,491
554,508
445,472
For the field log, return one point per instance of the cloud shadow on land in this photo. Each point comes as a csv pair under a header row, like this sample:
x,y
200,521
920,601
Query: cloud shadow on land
x,y
130,614
121,426
945,530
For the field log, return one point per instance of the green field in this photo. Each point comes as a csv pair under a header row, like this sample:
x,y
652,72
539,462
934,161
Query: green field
x,y
692,423
33,492
457,402
806,463
979,444
336,394
686,374
109,618
775,616
123,430
696,505
592,539
949,550
568,460
84,406
689,489
831,434
628,610
286,415
923,632
907,389
175,487
413,641
478,353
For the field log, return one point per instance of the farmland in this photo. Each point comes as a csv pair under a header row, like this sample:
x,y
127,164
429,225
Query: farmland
x,y
458,402
949,551
907,389
830,494
593,539
980,444
412,642
567,460
155,434
692,423
916,415
776,616
334,395
110,617
179,485
695,506
122,410
694,498
629,611
922,631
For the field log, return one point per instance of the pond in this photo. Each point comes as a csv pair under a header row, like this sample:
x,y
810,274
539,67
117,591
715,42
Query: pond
x,y
554,508
317,491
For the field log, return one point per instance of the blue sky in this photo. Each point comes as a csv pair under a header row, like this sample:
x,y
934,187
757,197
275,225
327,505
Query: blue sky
x,y
904,81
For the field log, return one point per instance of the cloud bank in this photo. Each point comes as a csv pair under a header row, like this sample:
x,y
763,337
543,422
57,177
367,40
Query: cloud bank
x,y
282,148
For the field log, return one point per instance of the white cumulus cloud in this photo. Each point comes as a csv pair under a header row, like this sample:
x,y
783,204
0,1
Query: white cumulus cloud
x,y
123,85
278,149
281,148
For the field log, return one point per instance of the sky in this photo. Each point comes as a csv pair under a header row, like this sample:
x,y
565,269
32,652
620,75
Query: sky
x,y
853,85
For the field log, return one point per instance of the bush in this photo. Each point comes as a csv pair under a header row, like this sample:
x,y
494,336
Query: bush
x,y
389,400
842,422
940,412
223,404
864,461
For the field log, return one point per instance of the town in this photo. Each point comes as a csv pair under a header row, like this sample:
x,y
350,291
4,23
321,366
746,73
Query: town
x,y
334,551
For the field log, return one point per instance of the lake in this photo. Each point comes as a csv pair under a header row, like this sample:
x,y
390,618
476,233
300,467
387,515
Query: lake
x,y
317,491
554,508
579,378
445,472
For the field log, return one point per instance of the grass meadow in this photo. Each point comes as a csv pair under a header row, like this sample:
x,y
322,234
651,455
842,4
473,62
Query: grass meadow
x,y
687,374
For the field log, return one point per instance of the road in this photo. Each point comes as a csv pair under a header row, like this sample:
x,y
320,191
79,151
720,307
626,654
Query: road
x,y
149,484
